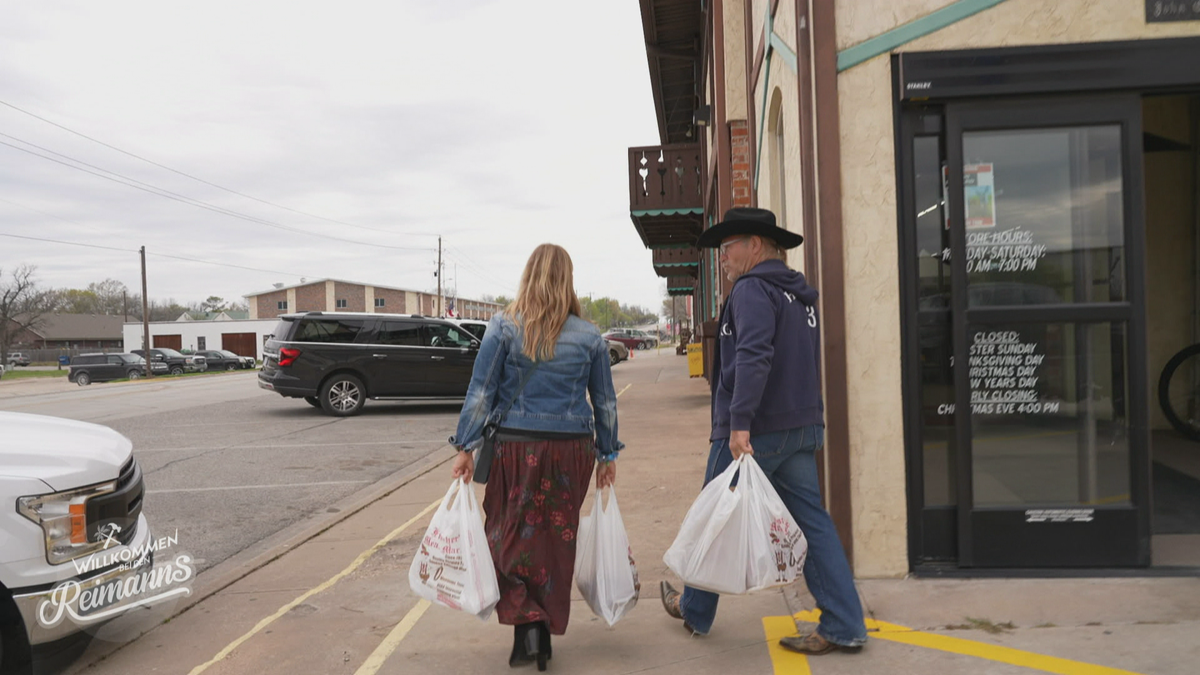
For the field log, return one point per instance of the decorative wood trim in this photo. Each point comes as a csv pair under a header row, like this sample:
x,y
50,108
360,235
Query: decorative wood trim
x,y
832,277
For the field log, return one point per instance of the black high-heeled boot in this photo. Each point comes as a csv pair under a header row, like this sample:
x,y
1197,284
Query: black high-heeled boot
x,y
544,629
520,651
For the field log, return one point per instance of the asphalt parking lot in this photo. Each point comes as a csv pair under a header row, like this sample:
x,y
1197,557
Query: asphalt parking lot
x,y
228,465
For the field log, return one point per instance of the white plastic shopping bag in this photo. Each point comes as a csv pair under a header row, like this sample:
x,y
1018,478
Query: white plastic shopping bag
x,y
604,568
453,566
738,539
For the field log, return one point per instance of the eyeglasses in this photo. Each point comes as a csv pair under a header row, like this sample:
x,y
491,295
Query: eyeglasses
x,y
725,246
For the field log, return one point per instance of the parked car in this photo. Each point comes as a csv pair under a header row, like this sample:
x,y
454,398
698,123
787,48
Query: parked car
x,y
89,368
223,359
70,490
18,359
177,364
633,339
617,352
337,360
474,327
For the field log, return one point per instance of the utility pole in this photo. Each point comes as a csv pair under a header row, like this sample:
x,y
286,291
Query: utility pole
x,y
145,318
438,310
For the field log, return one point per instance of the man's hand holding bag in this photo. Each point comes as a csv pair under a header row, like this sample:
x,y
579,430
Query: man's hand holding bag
x,y
738,539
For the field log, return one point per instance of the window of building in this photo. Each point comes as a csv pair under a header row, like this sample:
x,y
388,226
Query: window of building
x,y
777,164
341,304
379,302
282,305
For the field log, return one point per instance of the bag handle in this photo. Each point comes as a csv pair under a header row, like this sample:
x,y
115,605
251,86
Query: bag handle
x,y
599,499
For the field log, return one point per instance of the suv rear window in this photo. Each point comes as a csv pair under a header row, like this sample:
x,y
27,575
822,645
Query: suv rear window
x,y
89,360
327,330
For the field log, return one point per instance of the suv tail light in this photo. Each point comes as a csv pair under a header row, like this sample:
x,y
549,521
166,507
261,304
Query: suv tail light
x,y
287,356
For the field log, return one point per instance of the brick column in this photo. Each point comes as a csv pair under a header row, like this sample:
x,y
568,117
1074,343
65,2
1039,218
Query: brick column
x,y
743,181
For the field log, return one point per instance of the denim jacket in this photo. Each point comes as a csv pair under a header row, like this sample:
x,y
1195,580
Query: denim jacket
x,y
554,397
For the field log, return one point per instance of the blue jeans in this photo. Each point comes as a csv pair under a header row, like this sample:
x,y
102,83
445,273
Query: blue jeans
x,y
789,460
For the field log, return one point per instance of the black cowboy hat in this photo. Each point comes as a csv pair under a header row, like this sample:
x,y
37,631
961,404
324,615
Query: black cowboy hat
x,y
745,220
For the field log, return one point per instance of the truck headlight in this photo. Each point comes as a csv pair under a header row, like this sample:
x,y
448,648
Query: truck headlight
x,y
63,517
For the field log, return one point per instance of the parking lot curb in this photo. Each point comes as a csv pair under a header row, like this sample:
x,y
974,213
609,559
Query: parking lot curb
x,y
237,567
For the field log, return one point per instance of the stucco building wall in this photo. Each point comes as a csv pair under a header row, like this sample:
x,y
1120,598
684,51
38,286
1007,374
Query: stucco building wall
x,y
870,228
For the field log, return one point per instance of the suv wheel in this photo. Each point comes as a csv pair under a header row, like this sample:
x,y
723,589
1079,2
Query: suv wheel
x,y
343,395
231,366
83,379
134,374
643,345
613,357
313,401
176,370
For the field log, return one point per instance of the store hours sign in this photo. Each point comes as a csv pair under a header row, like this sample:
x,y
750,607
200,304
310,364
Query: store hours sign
x,y
1163,11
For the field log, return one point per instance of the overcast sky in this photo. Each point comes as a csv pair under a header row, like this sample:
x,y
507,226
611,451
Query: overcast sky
x,y
498,124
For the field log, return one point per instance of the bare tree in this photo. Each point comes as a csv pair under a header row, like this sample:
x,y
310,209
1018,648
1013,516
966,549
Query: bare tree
x,y
22,305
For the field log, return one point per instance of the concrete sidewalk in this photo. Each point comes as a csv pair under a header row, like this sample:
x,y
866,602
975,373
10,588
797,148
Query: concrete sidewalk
x,y
338,601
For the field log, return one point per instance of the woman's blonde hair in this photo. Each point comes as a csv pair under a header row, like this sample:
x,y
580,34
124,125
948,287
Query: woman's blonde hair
x,y
545,299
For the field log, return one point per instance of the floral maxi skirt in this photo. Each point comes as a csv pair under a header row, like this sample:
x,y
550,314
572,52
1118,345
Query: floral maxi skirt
x,y
532,505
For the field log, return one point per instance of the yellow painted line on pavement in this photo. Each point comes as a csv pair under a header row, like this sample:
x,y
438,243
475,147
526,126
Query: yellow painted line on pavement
x,y
783,660
623,390
377,658
776,627
325,586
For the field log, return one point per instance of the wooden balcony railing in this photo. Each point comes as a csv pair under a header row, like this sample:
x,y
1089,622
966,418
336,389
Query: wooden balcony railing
x,y
665,178
676,262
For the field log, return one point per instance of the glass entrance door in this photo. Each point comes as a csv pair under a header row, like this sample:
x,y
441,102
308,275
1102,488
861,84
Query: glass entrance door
x,y
1044,204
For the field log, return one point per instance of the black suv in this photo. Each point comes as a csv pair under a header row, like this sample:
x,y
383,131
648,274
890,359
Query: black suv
x,y
336,361
177,363
223,359
89,368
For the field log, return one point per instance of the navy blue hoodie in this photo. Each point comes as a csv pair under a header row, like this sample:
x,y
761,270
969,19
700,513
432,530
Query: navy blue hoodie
x,y
769,353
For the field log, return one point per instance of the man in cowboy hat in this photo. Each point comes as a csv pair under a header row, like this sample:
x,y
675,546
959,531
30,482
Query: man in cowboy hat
x,y
766,401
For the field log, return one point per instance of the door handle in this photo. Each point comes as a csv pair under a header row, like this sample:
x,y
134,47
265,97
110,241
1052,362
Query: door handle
x,y
438,358
380,356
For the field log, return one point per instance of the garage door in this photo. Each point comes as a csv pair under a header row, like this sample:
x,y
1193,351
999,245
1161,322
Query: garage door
x,y
242,344
168,341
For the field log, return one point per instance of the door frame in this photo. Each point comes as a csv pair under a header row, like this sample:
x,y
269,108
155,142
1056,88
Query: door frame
x,y
1049,112
929,80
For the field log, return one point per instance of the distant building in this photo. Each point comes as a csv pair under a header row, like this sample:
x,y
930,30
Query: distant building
x,y
65,331
333,295
224,315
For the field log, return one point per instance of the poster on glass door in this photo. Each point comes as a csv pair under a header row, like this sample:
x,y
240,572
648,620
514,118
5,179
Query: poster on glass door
x,y
980,196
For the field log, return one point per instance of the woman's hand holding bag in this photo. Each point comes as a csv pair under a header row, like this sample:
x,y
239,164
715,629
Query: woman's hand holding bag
x,y
604,569
452,566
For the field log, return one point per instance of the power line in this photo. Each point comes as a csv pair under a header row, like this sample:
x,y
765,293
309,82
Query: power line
x,y
160,255
69,243
201,180
51,215
480,273
160,192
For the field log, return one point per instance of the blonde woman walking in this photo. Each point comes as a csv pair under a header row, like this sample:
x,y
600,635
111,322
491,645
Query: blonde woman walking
x,y
537,365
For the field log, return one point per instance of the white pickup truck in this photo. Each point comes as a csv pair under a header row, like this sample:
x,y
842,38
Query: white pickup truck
x,y
70,511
